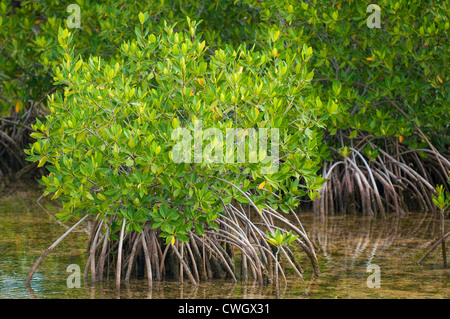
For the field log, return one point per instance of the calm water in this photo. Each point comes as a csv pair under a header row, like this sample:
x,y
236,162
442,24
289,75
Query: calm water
x,y
345,246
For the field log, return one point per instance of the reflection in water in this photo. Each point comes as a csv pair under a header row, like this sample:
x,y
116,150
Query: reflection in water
x,y
345,245
349,244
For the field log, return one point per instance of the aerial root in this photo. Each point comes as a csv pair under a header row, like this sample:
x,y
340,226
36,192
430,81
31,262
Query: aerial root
x,y
238,250
53,246
380,185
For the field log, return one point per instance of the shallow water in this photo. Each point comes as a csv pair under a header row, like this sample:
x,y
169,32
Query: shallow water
x,y
345,247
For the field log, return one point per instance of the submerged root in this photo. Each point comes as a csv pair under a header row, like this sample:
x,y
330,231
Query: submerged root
x,y
432,248
213,255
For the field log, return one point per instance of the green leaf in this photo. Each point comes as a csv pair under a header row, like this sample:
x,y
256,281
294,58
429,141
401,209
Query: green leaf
x,y
142,18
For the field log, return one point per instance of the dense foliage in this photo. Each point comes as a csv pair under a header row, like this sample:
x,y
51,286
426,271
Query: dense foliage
x,y
388,81
110,137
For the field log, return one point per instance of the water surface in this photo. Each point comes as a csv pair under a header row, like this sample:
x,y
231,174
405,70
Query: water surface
x,y
346,245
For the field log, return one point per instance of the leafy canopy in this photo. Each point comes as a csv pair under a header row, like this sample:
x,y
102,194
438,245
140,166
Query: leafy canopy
x,y
108,140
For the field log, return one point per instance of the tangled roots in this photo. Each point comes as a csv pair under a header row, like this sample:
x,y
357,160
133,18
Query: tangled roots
x,y
383,185
238,250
